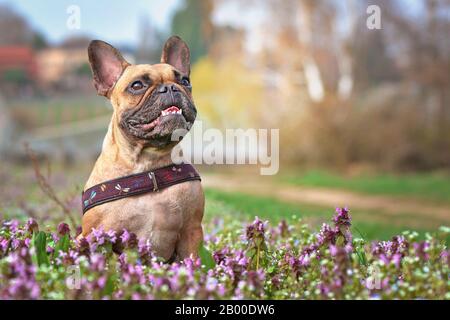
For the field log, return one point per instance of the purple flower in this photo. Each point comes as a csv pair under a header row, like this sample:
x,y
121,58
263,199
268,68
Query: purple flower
x,y
83,246
333,250
304,260
63,229
32,226
326,264
255,281
125,236
111,236
12,225
327,235
4,244
421,250
391,251
15,243
123,259
255,231
50,249
97,235
145,251
283,228
101,282
445,257
129,239
342,217
97,262
211,284
19,280
396,259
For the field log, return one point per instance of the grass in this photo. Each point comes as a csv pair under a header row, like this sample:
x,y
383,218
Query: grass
x,y
240,206
245,207
43,112
426,186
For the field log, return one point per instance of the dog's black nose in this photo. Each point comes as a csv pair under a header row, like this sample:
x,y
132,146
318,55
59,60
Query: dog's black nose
x,y
163,88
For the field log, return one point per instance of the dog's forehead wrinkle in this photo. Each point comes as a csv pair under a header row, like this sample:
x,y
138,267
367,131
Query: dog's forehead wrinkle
x,y
158,73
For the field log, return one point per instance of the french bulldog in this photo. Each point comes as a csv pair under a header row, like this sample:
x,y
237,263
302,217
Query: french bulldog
x,y
150,102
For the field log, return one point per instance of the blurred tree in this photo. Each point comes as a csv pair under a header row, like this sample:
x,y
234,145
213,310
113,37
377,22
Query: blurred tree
x,y
84,70
76,42
192,22
150,42
15,76
19,31
372,96
423,54
371,62
235,102
39,41
15,29
344,94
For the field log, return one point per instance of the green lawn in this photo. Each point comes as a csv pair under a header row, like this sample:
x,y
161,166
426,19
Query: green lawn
x,y
431,187
246,207
43,112
239,206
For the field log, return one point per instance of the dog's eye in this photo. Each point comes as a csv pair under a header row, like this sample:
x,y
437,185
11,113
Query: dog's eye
x,y
185,82
137,85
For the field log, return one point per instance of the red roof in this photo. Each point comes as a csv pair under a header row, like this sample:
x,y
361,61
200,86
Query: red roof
x,y
18,58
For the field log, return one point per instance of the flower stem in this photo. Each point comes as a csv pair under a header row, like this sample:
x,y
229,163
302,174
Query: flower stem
x,y
257,258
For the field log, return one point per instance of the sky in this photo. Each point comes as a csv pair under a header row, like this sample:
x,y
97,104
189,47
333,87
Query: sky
x,y
112,21
117,22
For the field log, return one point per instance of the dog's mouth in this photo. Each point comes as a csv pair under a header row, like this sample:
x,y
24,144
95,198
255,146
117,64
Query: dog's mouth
x,y
165,115
157,119
155,126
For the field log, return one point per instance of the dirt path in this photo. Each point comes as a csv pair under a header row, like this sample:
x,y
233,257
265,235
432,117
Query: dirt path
x,y
326,197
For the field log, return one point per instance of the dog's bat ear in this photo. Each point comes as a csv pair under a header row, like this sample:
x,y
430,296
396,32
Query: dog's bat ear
x,y
176,53
107,65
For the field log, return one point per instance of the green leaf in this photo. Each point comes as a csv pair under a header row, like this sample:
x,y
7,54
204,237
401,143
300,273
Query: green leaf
x,y
40,244
361,256
206,258
250,252
109,286
271,269
62,244
340,241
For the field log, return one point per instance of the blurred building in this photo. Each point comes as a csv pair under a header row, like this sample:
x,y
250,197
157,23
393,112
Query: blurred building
x,y
66,68
18,58
18,69
60,68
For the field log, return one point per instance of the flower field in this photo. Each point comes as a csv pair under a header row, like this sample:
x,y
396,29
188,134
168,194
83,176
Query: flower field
x,y
250,261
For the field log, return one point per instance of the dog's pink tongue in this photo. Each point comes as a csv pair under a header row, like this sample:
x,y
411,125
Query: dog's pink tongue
x,y
172,108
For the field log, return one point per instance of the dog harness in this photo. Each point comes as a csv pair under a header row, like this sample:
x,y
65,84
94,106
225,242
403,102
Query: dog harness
x,y
135,184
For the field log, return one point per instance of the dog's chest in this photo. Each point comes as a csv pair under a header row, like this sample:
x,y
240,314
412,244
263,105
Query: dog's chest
x,y
169,209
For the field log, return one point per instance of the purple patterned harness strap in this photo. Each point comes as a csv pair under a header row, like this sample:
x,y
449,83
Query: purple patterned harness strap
x,y
135,184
